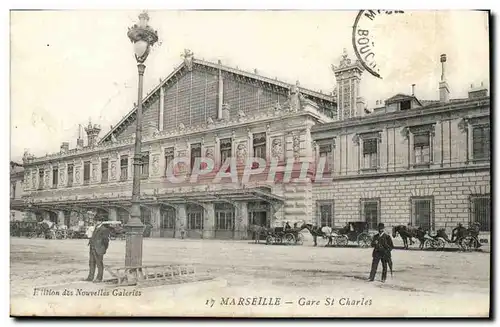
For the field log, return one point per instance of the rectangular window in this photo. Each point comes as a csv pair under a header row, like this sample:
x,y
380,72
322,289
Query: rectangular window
x,y
40,179
422,148
326,213
70,175
195,153
326,151
145,165
225,149
405,105
123,168
86,172
481,211
370,212
104,170
55,177
481,142
195,220
370,153
12,190
259,145
422,212
169,158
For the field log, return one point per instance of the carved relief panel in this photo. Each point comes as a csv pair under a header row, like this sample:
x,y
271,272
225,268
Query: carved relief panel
x,y
155,164
277,148
241,153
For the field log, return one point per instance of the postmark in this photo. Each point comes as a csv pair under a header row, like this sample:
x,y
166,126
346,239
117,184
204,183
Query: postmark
x,y
364,37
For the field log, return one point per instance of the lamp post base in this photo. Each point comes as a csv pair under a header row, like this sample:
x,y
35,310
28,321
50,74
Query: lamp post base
x,y
133,250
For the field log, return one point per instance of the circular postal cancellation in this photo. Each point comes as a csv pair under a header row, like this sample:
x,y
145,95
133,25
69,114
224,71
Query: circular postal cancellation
x,y
370,35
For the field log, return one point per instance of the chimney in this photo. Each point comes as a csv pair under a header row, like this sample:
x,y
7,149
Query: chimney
x,y
79,140
64,147
413,89
360,107
444,90
478,92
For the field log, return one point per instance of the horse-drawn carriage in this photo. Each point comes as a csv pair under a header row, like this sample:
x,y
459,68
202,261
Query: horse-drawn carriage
x,y
354,231
22,228
465,238
284,235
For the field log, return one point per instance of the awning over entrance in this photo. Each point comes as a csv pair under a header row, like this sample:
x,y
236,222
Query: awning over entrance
x,y
243,194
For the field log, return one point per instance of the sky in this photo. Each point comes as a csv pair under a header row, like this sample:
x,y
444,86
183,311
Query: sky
x,y
67,67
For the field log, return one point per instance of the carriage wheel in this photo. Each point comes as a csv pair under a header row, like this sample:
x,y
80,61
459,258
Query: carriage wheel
x,y
300,239
341,240
269,240
468,243
428,244
364,240
289,239
441,243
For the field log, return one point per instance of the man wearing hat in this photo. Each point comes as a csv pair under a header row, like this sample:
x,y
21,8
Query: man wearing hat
x,y
382,247
98,245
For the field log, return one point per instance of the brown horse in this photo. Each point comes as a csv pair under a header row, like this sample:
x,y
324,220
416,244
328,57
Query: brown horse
x,y
409,232
314,230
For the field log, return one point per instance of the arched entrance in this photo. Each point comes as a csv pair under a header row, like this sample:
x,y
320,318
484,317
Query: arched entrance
x,y
259,213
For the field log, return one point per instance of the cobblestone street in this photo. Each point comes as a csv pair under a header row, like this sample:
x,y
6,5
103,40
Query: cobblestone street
x,y
433,282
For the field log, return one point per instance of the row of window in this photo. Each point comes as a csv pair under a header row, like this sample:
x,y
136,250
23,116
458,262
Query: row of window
x,y
259,150
422,148
421,212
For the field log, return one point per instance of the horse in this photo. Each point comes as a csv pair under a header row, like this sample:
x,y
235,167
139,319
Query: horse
x,y
407,233
315,231
257,231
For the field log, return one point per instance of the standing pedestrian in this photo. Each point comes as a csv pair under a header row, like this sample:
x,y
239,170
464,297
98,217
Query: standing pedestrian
x,y
98,245
382,247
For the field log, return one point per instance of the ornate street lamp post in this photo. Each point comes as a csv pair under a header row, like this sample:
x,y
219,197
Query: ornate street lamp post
x,y
143,37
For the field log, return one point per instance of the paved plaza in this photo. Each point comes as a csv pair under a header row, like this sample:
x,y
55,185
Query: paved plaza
x,y
307,280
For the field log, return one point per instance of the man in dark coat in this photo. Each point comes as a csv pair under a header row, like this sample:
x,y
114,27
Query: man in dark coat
x,y
382,247
98,245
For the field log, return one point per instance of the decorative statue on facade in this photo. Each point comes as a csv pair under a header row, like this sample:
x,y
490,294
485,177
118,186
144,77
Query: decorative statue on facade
x,y
27,156
188,56
210,121
113,170
94,172
113,138
277,106
294,98
277,149
47,177
182,127
209,153
241,152
61,176
77,174
241,114
33,179
156,164
296,146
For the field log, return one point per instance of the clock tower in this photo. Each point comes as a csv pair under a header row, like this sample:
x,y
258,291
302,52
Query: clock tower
x,y
348,76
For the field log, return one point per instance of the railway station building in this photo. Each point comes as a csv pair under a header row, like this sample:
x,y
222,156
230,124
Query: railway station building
x,y
409,160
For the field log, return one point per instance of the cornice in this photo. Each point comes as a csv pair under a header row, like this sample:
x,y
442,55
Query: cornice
x,y
432,109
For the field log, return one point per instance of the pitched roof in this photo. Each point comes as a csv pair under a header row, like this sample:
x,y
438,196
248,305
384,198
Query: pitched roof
x,y
313,95
401,97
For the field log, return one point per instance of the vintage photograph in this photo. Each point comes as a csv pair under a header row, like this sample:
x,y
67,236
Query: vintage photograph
x,y
258,163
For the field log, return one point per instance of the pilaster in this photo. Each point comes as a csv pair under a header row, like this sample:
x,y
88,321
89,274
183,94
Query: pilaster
x,y
181,223
209,223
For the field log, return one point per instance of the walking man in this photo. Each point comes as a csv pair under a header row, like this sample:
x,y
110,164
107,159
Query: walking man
x,y
98,245
382,247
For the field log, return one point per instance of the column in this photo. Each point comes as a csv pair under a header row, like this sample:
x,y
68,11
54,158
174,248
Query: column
x,y
60,218
112,214
155,220
209,223
181,224
242,221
